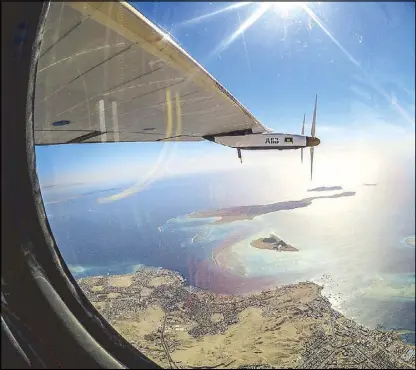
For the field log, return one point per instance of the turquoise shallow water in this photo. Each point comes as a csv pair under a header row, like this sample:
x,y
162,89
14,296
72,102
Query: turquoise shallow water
x,y
353,246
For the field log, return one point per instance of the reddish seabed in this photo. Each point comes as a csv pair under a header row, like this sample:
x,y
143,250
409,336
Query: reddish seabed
x,y
207,274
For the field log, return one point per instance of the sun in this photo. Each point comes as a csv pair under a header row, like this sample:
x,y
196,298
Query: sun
x,y
283,8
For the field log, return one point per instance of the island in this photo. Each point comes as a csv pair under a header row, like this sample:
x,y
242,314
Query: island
x,y
179,326
273,243
326,188
249,212
410,241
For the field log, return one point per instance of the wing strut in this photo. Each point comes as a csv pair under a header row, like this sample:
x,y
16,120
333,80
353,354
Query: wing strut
x,y
239,155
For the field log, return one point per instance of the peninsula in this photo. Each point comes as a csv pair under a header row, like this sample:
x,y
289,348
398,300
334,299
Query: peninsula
x,y
249,212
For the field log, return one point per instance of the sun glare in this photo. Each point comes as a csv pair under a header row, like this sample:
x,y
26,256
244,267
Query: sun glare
x,y
283,8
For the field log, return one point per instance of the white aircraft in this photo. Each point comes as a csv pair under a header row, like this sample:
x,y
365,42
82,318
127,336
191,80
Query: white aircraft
x,y
270,140
107,74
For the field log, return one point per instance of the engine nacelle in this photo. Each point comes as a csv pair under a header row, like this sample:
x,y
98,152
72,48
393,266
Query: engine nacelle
x,y
262,141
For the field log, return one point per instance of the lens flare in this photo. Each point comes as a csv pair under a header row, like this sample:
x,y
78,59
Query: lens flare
x,y
152,175
209,15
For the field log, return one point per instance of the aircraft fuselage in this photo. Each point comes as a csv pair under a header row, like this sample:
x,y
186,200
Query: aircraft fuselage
x,y
266,141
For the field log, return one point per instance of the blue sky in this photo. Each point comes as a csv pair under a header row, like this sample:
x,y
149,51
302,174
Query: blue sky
x,y
276,75
358,57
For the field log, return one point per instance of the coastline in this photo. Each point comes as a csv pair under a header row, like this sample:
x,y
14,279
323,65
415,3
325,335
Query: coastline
x,y
216,252
220,219
286,326
213,275
219,253
235,279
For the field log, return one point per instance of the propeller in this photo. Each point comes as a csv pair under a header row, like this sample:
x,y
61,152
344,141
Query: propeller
x,y
311,141
313,129
302,133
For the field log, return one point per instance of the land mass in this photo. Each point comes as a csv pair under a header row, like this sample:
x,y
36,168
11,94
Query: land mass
x,y
179,326
273,243
326,188
249,212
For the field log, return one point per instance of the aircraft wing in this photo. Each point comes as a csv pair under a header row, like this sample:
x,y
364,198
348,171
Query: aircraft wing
x,y
107,74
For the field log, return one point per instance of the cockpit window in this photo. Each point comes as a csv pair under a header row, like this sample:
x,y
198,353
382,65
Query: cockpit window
x,y
302,255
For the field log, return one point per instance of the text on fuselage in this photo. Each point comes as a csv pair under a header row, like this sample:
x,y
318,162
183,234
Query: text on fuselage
x,y
272,140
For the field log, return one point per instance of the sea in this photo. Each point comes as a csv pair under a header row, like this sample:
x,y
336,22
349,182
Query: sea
x,y
353,246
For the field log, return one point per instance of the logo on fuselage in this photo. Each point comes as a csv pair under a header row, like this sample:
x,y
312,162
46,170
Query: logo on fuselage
x,y
289,140
272,140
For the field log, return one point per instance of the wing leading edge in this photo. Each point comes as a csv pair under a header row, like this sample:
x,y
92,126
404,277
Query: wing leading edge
x,y
107,74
